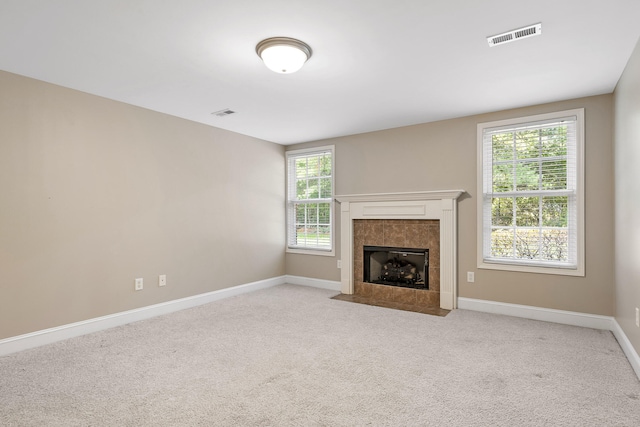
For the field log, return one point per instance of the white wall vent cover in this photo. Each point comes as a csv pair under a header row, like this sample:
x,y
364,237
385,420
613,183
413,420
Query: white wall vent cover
x,y
511,36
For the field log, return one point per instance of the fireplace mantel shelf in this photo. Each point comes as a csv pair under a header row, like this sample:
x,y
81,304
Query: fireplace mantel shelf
x,y
425,205
393,197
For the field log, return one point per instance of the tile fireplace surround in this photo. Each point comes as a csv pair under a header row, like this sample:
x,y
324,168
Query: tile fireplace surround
x,y
400,234
425,205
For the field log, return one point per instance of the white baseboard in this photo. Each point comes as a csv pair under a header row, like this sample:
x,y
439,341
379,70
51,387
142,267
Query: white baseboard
x,y
316,283
51,335
629,351
593,321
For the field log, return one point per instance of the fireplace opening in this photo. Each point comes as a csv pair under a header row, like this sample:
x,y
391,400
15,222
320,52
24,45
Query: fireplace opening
x,y
403,267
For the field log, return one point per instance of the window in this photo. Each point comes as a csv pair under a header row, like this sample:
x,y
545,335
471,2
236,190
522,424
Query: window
x,y
531,194
310,201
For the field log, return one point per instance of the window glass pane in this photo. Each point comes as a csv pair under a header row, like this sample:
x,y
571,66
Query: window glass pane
x,y
555,245
312,213
502,146
554,174
301,168
325,169
527,176
502,177
301,189
324,213
502,243
527,144
314,189
555,211
527,243
502,211
300,214
527,211
554,141
324,235
325,188
303,235
313,166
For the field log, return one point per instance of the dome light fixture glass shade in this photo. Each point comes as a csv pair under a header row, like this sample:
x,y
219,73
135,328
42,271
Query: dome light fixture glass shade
x,y
283,54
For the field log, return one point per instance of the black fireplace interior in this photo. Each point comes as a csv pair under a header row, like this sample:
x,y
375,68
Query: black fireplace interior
x,y
403,267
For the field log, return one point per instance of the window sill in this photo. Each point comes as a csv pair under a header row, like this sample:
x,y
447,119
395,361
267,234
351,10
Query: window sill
x,y
332,252
532,269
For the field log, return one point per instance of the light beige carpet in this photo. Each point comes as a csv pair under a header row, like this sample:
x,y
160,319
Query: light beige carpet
x,y
291,356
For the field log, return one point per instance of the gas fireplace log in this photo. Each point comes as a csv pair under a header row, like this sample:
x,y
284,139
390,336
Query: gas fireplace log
x,y
399,271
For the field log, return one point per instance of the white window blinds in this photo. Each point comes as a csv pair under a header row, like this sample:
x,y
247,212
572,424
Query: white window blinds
x,y
531,192
310,199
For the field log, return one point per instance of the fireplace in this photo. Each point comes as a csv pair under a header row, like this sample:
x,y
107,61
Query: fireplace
x,y
393,266
438,206
410,251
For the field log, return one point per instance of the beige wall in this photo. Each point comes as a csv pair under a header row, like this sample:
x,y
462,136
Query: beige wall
x,y
627,201
442,156
94,193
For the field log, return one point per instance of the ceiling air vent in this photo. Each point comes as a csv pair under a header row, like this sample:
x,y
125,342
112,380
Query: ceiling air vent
x,y
223,113
511,36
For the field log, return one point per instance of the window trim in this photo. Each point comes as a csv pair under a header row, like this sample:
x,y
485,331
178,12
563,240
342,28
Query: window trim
x,y
526,266
311,251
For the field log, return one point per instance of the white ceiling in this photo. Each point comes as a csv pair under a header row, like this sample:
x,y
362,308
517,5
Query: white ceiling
x,y
376,64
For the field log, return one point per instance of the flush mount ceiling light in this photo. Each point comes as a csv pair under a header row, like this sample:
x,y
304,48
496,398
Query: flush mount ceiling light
x,y
283,54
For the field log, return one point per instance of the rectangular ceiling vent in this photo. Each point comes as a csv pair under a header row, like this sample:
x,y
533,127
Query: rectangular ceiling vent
x,y
223,113
511,36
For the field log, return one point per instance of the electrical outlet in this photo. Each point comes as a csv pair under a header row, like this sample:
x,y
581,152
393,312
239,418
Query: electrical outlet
x,y
162,280
139,284
471,277
339,263
638,317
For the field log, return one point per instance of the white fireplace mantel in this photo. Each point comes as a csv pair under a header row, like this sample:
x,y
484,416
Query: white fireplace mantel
x,y
440,205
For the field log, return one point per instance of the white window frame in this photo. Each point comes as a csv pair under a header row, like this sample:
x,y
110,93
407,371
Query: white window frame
x,y
484,200
291,202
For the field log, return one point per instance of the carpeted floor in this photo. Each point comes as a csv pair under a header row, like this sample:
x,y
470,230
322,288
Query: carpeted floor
x,y
292,356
